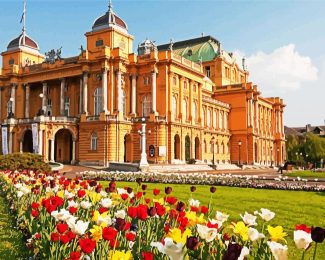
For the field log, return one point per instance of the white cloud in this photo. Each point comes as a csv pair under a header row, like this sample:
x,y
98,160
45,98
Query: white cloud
x,y
281,71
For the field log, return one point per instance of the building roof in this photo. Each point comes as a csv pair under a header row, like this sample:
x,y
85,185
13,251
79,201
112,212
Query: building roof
x,y
319,130
197,49
23,40
109,20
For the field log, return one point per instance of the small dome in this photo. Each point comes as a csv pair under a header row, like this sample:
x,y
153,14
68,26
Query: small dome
x,y
146,47
23,40
109,20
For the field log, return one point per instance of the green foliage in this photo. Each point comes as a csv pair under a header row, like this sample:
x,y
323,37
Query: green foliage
x,y
310,148
314,146
21,161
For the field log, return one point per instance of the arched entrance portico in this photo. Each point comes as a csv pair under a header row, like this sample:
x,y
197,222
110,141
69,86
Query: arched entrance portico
x,y
127,148
63,146
187,148
197,148
177,146
28,141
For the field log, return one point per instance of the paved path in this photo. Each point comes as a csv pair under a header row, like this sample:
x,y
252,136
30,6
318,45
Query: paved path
x,y
71,171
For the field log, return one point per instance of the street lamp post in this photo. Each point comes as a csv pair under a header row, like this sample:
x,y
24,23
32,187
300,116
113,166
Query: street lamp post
x,y
212,143
10,112
43,108
143,165
239,146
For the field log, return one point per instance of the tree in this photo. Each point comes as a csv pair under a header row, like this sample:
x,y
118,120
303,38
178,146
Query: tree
x,y
314,147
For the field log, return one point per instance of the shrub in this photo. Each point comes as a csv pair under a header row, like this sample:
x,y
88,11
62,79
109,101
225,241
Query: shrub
x,y
21,161
191,161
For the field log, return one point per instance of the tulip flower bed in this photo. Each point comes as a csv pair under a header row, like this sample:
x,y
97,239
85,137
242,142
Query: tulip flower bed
x,y
246,181
80,219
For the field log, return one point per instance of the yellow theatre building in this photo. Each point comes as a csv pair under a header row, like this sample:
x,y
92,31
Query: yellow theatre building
x,y
195,100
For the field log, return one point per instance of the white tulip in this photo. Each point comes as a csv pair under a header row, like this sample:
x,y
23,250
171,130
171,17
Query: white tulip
x,y
266,214
19,194
194,203
106,203
206,233
62,215
249,219
174,251
68,195
244,252
78,227
72,203
221,216
253,234
279,251
120,214
85,204
302,239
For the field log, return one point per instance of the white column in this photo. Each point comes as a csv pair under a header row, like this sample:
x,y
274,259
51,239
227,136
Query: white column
x,y
27,94
104,86
143,161
10,141
85,93
62,97
154,91
21,146
13,96
134,94
40,142
44,99
80,96
52,151
119,91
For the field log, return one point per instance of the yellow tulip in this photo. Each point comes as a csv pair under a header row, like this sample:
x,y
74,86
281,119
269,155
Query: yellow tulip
x,y
241,229
96,232
120,255
177,236
276,233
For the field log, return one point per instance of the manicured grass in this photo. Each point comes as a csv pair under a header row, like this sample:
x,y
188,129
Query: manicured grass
x,y
11,239
306,174
291,207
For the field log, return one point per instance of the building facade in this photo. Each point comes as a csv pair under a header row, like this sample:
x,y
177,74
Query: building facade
x,y
194,97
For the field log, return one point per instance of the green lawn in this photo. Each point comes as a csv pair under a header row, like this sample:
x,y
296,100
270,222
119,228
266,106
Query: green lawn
x,y
11,239
306,174
291,207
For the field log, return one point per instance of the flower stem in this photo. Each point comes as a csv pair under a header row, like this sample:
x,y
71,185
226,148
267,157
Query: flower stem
x,y
314,256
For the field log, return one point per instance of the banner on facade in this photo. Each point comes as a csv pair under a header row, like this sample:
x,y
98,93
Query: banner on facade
x,y
35,137
4,134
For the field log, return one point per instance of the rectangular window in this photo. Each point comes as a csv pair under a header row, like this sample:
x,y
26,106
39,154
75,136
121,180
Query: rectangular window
x,y
49,107
207,71
146,81
66,106
99,43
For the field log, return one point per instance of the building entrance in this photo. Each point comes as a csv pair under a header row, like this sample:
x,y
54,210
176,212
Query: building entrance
x,y
63,146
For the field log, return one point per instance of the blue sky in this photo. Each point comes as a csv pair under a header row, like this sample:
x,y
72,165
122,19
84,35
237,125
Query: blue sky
x,y
271,34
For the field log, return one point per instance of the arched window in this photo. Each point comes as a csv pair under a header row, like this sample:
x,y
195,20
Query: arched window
x,y
211,146
174,107
93,142
214,119
203,116
222,148
220,120
98,101
123,103
146,105
194,112
225,120
185,112
208,117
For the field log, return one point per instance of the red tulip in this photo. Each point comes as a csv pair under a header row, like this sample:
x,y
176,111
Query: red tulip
x,y
109,233
35,213
55,237
61,228
147,256
130,236
156,192
87,245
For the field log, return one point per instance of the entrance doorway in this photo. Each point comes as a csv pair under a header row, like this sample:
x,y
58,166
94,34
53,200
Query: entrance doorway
x,y
127,148
28,141
177,146
197,148
187,148
63,146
